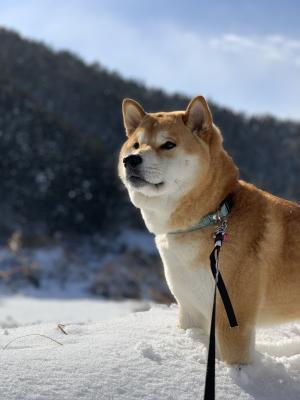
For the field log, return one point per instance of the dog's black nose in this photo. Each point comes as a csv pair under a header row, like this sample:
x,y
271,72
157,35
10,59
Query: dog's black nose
x,y
132,161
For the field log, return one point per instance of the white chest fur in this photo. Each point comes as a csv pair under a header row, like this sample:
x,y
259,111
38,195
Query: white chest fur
x,y
191,284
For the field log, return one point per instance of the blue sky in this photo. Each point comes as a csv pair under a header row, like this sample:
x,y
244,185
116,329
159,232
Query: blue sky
x,y
242,54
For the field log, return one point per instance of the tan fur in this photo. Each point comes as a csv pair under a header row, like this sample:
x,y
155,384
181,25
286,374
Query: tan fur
x,y
260,263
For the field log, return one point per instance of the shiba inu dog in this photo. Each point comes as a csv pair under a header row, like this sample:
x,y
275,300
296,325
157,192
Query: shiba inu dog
x,y
177,172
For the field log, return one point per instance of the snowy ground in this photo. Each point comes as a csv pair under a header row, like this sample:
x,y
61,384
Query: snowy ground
x,y
125,350
139,355
16,311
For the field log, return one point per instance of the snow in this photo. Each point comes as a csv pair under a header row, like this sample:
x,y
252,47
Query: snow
x,y
123,350
20,310
112,352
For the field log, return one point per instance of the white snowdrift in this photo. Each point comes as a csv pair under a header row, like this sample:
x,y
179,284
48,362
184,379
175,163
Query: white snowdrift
x,y
140,356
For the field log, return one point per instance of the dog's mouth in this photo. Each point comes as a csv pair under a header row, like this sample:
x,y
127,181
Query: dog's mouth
x,y
137,182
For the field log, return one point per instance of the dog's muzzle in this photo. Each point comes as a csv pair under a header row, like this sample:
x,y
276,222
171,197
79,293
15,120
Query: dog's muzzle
x,y
133,173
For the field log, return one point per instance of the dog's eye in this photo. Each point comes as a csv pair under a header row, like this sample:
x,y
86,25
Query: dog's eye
x,y
168,146
136,145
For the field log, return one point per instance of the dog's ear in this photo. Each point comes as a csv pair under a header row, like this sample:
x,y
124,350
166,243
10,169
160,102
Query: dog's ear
x,y
197,116
133,114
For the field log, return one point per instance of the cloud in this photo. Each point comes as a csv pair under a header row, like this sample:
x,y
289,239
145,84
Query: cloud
x,y
254,73
270,48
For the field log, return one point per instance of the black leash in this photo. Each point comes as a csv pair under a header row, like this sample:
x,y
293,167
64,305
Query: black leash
x,y
209,392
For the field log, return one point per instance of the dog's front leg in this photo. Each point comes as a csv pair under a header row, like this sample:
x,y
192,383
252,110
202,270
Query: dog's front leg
x,y
191,319
235,345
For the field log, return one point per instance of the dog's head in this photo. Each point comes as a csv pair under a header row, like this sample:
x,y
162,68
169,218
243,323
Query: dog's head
x,y
166,153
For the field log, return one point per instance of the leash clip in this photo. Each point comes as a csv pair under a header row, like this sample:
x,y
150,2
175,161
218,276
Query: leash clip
x,y
221,226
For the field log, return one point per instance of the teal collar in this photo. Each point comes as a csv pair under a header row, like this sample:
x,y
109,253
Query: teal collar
x,y
209,219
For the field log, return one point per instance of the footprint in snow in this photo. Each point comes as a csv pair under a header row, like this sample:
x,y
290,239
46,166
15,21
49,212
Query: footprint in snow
x,y
146,350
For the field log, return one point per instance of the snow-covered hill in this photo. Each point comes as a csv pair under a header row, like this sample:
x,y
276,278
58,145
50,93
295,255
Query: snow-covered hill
x,y
142,355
